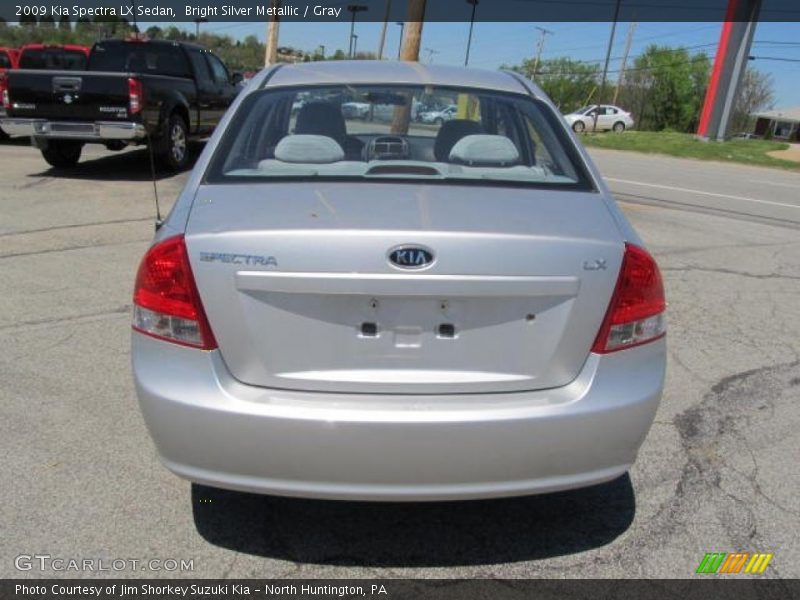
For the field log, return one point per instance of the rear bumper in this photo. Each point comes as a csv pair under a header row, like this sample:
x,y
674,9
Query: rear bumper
x,y
78,130
212,429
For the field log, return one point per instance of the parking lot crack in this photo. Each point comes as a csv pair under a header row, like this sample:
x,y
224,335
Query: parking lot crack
x,y
72,318
724,271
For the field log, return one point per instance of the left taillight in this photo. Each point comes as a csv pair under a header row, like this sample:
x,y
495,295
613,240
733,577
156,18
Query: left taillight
x,y
135,96
4,95
166,304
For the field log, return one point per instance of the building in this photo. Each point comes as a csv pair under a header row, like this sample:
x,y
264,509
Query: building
x,y
782,124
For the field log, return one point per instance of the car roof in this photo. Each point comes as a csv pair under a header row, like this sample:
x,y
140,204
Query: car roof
x,y
378,72
144,42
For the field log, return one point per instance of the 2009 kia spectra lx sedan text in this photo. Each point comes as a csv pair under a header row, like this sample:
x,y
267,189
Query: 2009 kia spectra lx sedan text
x,y
383,309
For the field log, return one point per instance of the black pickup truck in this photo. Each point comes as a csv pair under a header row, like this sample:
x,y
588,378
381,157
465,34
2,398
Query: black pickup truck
x,y
132,92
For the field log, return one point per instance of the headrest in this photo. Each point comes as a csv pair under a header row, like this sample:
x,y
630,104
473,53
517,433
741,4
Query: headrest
x,y
316,149
449,133
485,150
321,118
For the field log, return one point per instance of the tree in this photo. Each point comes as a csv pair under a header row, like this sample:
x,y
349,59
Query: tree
x,y
64,24
155,32
665,88
569,83
755,95
83,26
47,22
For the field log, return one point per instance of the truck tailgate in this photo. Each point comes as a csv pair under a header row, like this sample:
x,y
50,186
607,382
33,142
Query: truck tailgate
x,y
72,95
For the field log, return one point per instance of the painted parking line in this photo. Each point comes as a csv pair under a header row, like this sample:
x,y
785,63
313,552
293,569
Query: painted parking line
x,y
765,182
701,192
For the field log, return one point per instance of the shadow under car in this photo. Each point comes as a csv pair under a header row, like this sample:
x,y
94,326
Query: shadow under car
x,y
430,534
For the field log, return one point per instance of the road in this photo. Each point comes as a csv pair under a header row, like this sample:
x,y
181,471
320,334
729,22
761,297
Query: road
x,y
734,190
718,472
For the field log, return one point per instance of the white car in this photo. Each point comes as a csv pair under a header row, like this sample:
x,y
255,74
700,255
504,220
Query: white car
x,y
609,118
439,116
355,110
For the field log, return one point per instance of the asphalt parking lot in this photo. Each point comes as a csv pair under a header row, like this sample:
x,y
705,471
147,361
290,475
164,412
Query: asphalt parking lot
x,y
718,472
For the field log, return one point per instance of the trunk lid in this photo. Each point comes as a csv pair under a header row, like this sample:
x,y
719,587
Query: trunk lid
x,y
298,287
69,95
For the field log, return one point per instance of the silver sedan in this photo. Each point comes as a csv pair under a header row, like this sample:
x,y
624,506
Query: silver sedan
x,y
384,310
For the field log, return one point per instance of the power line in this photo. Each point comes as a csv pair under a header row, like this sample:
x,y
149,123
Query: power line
x,y
779,58
640,68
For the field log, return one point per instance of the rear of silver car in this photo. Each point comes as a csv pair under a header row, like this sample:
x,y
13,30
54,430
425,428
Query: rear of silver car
x,y
381,331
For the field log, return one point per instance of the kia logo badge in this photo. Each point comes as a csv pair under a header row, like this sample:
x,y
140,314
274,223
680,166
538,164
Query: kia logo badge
x,y
411,257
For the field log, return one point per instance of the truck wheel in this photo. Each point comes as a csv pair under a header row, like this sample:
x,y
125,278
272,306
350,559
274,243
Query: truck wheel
x,y
62,154
174,148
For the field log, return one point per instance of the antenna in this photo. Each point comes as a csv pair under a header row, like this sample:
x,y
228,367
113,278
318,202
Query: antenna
x,y
135,24
159,220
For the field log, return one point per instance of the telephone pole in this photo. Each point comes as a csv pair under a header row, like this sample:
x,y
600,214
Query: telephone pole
x,y
402,26
382,41
621,78
431,52
474,4
409,51
197,26
539,47
354,9
271,52
601,92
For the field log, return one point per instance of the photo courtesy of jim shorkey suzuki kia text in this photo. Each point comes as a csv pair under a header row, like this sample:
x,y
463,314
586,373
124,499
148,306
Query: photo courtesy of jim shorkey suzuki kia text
x,y
188,11
294,302
190,590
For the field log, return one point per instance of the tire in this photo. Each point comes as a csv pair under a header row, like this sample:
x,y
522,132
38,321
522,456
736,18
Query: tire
x,y
62,154
618,127
173,147
3,135
578,126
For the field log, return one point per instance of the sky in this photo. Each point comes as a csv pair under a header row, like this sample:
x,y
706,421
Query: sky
x,y
494,44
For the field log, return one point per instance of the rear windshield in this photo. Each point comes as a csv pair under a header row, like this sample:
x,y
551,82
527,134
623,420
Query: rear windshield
x,y
398,132
139,57
53,58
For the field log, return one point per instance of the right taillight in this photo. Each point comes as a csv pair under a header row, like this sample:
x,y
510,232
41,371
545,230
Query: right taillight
x,y
166,304
636,313
135,96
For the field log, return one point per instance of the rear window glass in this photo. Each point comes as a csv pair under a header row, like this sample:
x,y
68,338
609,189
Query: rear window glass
x,y
137,57
53,58
373,132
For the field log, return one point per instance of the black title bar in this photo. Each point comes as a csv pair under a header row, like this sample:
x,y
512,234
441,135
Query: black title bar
x,y
374,10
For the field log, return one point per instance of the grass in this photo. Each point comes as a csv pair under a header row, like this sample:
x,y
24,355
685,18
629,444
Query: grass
x,y
685,145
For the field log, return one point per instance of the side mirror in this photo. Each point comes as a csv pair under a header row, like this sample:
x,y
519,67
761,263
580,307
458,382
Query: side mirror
x,y
237,79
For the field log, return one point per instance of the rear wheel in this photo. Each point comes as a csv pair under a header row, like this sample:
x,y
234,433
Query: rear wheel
x,y
173,151
62,154
578,126
619,127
